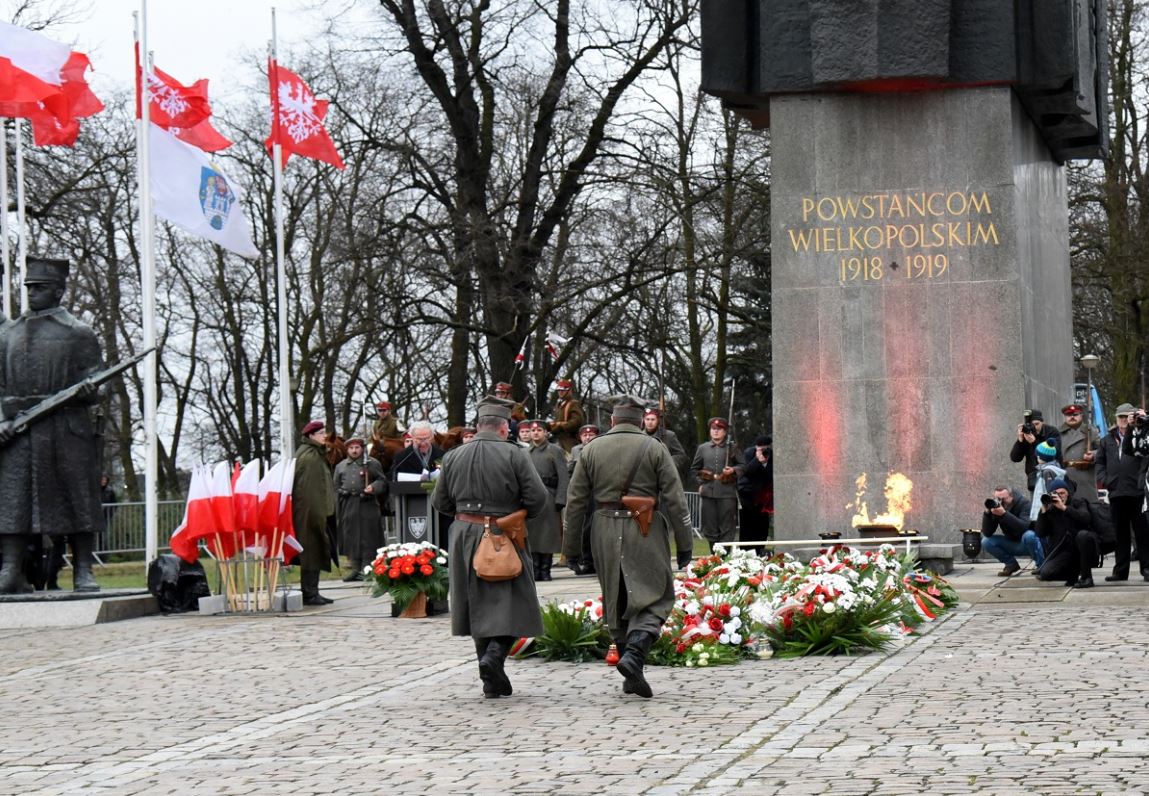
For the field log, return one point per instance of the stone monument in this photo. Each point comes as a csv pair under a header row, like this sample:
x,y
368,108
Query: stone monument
x,y
921,291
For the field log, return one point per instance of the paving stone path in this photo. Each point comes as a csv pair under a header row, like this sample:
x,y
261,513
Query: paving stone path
x,y
1027,688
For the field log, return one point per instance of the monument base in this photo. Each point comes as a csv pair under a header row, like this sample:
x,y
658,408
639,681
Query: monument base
x,y
74,609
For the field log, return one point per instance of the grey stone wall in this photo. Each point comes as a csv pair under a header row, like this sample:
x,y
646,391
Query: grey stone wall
x,y
920,298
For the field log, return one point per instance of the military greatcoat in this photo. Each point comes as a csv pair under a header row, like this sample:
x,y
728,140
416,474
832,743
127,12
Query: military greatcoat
x,y
492,477
360,522
49,476
619,546
569,418
546,531
312,501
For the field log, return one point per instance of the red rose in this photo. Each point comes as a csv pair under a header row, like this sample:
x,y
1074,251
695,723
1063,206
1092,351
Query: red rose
x,y
788,621
808,610
715,624
724,609
426,570
680,648
754,581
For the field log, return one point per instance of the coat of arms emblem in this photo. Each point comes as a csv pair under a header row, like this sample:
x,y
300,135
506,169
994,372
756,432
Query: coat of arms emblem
x,y
215,197
417,527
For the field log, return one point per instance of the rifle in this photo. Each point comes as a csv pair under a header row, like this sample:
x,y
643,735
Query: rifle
x,y
27,417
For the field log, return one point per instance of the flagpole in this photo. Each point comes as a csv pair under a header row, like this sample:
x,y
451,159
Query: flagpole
x,y
148,296
21,233
286,423
4,252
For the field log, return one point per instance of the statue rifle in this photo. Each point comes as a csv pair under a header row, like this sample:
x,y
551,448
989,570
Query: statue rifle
x,y
24,419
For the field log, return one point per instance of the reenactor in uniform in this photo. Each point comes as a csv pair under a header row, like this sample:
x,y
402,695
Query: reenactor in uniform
x,y
484,479
633,561
1076,456
312,502
717,465
568,416
503,390
653,425
546,531
584,565
386,426
359,482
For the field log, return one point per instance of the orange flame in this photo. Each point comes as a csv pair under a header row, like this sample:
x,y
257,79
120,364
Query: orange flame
x,y
898,490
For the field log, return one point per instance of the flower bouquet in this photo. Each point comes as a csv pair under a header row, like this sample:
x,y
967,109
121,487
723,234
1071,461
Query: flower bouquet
x,y
407,570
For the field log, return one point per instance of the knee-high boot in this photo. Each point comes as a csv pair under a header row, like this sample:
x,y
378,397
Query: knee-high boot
x,y
638,644
83,545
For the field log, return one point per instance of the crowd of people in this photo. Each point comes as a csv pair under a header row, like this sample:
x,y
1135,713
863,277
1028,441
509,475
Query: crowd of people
x,y
1086,497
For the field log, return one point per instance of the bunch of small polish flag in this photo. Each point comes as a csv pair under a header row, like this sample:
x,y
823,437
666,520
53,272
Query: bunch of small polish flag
x,y
44,81
240,516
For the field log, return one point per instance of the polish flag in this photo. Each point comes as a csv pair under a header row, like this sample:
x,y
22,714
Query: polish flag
x,y
222,540
297,118
197,522
268,495
245,491
40,75
554,343
291,546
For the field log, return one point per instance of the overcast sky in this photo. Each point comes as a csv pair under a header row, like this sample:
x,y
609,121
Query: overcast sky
x,y
191,38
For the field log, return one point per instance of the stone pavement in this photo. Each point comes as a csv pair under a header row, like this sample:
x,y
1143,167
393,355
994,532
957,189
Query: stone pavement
x,y
1028,688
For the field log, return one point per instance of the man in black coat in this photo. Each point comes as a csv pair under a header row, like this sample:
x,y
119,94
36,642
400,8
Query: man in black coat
x,y
1093,543
1123,474
1030,434
422,456
756,492
1062,517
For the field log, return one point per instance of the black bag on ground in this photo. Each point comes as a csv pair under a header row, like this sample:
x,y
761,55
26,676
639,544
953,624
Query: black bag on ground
x,y
176,584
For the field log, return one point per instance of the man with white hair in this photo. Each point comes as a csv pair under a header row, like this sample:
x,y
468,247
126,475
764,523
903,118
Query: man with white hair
x,y
422,456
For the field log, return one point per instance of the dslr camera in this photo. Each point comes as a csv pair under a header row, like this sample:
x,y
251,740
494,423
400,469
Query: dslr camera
x,y
1139,420
1047,499
992,503
1027,425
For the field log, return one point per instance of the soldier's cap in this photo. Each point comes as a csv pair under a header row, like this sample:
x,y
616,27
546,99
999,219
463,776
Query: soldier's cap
x,y
1125,409
564,384
588,427
492,406
503,386
42,270
652,410
1073,409
355,441
719,422
627,410
383,405
312,427
533,424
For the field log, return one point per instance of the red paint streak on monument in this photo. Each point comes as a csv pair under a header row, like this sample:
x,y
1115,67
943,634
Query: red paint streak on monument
x,y
905,331
821,405
976,365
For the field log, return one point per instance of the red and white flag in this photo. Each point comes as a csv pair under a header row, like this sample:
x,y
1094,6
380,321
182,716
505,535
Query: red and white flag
x,y
521,357
182,110
198,521
554,343
297,118
40,76
291,546
245,491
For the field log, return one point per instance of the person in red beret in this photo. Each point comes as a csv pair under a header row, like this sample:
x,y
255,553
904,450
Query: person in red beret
x,y
717,465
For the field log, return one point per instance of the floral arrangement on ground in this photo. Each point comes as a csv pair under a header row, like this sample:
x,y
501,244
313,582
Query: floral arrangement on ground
x,y
731,606
405,570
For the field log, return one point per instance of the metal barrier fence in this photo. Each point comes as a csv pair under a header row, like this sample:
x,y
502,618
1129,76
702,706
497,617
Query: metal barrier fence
x,y
126,533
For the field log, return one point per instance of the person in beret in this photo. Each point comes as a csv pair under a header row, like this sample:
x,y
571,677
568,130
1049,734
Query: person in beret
x,y
312,502
568,416
49,474
359,483
1078,450
489,478
1030,433
633,567
546,530
718,465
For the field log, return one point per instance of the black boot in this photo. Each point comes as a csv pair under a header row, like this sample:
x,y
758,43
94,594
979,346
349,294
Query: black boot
x,y
638,644
309,585
548,560
491,665
12,578
537,560
490,690
82,578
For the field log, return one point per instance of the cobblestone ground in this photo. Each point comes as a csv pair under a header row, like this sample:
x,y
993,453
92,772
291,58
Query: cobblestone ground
x,y
1013,696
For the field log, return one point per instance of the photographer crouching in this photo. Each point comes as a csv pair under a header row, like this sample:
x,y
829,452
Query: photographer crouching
x,y
1062,517
1008,511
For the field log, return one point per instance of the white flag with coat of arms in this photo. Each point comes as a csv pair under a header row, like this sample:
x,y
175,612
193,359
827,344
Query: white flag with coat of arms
x,y
190,191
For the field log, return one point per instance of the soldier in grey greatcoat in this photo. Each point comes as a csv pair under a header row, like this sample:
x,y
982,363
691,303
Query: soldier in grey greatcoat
x,y
717,465
1077,457
546,531
489,478
359,482
49,476
633,569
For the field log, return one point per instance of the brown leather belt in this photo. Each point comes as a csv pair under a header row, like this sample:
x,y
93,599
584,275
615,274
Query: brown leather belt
x,y
478,519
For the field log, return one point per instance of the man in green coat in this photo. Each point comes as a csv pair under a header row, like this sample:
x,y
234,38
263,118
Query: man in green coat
x,y
487,478
633,568
359,481
312,502
546,532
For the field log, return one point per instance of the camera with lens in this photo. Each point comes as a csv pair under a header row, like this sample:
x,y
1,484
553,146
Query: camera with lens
x,y
1048,499
1140,420
992,503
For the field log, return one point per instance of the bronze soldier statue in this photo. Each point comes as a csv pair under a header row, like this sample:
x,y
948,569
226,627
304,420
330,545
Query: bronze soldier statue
x,y
631,538
49,476
482,481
